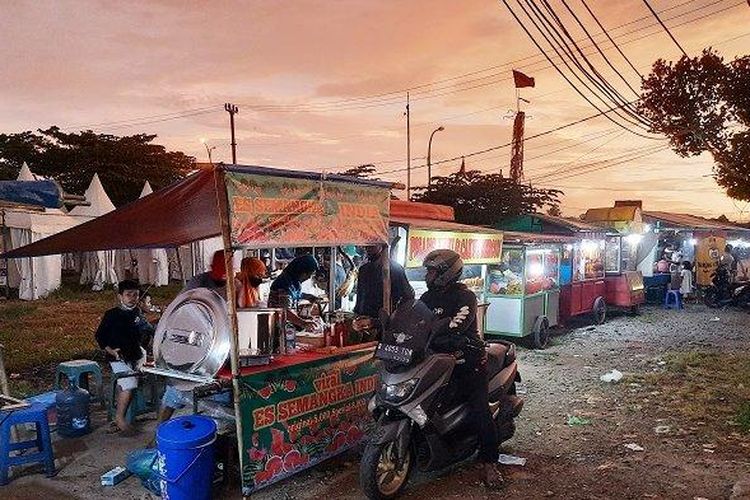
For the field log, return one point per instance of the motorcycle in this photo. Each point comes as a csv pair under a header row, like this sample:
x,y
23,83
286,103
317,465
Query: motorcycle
x,y
421,421
723,292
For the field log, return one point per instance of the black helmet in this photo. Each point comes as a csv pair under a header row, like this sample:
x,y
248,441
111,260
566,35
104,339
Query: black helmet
x,y
448,265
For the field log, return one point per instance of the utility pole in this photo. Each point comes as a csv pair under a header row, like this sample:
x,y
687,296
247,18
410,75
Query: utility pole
x,y
408,150
232,110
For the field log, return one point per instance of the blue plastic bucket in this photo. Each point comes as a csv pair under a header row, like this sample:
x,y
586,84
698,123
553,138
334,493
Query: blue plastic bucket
x,y
186,457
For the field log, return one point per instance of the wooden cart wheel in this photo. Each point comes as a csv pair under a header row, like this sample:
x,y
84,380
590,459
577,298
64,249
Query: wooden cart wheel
x,y
540,335
600,310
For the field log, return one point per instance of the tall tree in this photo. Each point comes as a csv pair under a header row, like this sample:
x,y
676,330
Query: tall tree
x,y
703,104
483,199
366,171
123,163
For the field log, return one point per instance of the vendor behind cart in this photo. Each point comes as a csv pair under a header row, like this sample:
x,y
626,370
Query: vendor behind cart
x,y
214,279
370,289
286,290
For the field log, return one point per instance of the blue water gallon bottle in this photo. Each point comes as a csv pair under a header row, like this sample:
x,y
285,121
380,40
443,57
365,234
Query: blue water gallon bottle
x,y
72,405
186,457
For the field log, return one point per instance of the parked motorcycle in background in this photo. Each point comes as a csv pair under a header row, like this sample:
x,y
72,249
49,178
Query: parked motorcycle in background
x,y
421,420
723,292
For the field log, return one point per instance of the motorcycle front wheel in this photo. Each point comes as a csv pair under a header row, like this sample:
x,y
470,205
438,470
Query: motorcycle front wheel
x,y
383,474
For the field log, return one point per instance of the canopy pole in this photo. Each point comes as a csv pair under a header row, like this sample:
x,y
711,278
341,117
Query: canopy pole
x,y
385,261
234,358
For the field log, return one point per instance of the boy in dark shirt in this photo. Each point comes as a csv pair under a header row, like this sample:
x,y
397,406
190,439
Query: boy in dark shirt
x,y
119,335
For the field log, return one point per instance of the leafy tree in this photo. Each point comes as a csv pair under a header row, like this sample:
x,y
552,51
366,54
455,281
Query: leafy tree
x,y
703,104
554,211
123,163
366,171
483,199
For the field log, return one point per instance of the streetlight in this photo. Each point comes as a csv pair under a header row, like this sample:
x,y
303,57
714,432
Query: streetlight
x,y
208,149
429,154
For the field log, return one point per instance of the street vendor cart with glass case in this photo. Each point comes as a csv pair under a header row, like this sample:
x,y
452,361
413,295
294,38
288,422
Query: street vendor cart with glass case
x,y
523,290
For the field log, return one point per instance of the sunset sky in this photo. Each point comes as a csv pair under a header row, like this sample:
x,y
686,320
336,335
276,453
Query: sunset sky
x,y
321,85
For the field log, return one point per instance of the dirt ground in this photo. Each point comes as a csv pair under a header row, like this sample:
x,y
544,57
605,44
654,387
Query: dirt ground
x,y
683,399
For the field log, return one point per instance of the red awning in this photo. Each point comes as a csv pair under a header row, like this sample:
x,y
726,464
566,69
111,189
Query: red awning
x,y
185,211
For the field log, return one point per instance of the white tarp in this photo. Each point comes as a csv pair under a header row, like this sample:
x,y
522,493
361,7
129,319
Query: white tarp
x,y
97,268
152,264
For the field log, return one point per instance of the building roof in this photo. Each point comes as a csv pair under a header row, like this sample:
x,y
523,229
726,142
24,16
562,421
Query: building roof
x,y
613,214
548,224
669,220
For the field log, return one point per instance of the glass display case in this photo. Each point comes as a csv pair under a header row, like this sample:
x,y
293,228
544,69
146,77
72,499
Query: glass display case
x,y
588,260
523,290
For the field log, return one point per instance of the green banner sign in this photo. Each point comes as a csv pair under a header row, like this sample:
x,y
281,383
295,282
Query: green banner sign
x,y
296,417
271,211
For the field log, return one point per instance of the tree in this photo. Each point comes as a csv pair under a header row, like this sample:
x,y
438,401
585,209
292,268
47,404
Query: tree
x,y
554,211
123,163
703,104
484,199
361,172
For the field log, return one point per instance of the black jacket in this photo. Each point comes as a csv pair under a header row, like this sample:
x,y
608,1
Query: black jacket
x,y
122,329
370,288
456,306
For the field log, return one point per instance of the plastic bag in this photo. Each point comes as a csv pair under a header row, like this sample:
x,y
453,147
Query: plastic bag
x,y
143,463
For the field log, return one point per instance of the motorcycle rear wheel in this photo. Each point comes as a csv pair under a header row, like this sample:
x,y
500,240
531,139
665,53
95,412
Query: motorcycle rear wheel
x,y
380,476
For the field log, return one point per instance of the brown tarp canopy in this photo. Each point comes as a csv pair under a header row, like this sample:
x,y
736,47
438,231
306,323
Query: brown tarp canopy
x,y
185,211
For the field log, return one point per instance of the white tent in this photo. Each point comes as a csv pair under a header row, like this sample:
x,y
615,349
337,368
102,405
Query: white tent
x,y
34,277
97,268
25,174
153,265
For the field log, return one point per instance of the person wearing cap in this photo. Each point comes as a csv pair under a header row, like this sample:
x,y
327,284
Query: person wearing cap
x,y
249,279
214,279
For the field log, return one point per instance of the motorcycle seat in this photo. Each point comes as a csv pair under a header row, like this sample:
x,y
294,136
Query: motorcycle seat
x,y
499,355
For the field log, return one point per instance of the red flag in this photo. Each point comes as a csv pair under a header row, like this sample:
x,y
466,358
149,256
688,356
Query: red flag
x,y
522,80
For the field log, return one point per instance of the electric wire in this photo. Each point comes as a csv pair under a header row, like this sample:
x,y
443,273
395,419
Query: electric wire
x,y
665,27
606,33
562,73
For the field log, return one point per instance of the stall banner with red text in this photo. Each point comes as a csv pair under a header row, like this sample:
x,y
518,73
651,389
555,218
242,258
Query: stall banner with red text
x,y
296,417
474,248
271,211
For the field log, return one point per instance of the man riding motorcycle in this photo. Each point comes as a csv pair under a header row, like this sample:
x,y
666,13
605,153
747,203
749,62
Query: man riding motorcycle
x,y
454,303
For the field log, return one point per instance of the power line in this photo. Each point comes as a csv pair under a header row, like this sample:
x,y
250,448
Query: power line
x,y
665,27
601,27
562,73
145,120
507,144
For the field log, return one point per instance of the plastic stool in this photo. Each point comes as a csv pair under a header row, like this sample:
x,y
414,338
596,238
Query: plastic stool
x,y
36,414
78,372
672,300
146,397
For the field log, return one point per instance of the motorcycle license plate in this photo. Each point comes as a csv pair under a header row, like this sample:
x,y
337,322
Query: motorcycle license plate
x,y
390,352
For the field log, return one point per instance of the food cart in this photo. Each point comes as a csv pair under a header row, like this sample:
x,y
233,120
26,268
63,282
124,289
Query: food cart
x,y
419,228
303,406
624,283
625,228
523,289
582,277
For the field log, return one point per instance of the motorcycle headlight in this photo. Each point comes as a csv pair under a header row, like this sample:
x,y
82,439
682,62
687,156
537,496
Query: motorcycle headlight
x,y
398,392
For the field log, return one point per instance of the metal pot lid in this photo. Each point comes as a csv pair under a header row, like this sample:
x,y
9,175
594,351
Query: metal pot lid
x,y
193,335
